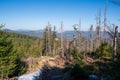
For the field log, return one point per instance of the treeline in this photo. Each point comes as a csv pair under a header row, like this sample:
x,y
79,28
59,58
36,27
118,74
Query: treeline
x,y
31,46
25,45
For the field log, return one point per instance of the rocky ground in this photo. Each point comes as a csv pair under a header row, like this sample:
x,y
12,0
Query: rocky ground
x,y
52,68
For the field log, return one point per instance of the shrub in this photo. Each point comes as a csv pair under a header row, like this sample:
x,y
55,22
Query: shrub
x,y
78,73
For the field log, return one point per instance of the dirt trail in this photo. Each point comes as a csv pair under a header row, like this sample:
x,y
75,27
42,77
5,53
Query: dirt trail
x,y
52,68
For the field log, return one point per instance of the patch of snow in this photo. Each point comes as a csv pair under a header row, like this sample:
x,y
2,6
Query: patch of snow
x,y
92,76
32,76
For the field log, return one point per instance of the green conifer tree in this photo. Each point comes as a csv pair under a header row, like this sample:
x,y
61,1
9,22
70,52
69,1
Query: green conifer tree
x,y
9,65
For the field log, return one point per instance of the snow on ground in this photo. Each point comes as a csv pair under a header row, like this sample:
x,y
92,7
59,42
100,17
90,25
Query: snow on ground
x,y
31,76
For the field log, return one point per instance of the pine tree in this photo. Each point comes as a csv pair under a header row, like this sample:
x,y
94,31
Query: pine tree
x,y
9,65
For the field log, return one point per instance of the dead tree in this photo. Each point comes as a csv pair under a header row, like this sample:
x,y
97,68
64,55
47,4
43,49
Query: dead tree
x,y
115,43
105,20
97,37
46,42
91,38
114,36
79,36
62,42
98,24
54,40
99,28
48,39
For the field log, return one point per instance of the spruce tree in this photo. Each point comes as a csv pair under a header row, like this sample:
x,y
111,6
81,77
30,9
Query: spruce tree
x,y
8,57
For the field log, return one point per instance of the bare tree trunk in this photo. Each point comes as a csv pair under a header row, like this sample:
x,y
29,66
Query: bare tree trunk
x,y
105,20
48,39
91,38
62,49
46,42
79,37
97,37
115,43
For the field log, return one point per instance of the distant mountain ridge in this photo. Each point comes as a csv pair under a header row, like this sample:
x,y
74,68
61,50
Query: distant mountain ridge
x,y
39,33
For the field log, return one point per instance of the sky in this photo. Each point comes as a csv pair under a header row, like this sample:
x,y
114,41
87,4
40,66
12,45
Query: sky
x,y
35,14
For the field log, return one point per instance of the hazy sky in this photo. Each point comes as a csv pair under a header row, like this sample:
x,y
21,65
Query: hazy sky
x,y
35,14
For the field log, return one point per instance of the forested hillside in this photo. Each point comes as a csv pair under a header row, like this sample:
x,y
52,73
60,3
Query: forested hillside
x,y
25,45
32,46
